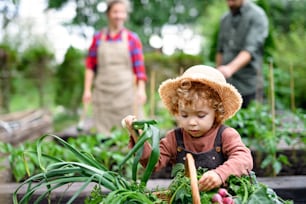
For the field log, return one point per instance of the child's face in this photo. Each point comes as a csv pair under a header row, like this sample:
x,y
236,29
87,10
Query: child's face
x,y
196,119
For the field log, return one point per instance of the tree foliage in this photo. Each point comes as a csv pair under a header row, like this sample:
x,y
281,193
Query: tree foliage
x,y
285,43
147,16
287,15
8,61
8,11
36,65
69,80
289,64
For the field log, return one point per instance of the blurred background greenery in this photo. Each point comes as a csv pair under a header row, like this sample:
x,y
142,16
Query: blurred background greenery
x,y
31,76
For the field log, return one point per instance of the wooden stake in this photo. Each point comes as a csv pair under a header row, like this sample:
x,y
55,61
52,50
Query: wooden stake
x,y
272,107
152,93
193,179
272,96
292,95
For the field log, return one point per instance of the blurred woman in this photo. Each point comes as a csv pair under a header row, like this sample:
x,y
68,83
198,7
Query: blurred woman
x,y
115,74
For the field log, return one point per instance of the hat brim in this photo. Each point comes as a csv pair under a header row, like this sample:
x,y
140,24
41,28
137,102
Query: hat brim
x,y
229,95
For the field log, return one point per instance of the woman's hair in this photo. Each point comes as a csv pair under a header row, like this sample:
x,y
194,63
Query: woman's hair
x,y
188,93
110,3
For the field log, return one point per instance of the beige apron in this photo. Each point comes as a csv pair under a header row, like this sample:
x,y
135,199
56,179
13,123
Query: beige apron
x,y
114,92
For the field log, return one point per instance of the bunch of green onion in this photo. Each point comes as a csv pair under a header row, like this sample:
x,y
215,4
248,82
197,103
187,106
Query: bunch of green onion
x,y
88,170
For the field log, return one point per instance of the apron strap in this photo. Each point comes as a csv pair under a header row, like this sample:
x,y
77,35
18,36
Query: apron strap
x,y
124,35
103,34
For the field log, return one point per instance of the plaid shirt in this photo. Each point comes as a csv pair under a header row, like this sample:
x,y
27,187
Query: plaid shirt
x,y
135,48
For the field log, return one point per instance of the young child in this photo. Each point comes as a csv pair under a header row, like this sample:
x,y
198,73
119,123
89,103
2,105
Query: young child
x,y
201,100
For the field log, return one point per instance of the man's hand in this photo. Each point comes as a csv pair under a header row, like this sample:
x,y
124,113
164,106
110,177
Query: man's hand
x,y
239,62
226,71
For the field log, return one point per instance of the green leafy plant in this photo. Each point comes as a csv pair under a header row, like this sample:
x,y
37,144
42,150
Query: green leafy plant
x,y
180,186
23,160
95,196
242,190
71,96
255,124
60,173
130,196
87,169
149,133
247,190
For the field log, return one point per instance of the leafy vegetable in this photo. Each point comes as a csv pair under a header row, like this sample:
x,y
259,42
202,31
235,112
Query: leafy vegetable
x,y
247,190
180,189
87,169
60,173
243,190
149,133
123,196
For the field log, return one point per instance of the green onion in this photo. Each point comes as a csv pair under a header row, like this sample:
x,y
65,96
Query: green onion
x,y
149,133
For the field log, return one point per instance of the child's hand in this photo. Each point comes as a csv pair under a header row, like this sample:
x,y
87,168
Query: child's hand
x,y
127,123
209,181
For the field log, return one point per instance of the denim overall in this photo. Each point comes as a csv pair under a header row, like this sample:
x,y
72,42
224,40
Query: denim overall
x,y
210,159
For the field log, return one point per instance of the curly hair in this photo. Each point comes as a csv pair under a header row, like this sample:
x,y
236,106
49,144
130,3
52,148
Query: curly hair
x,y
188,93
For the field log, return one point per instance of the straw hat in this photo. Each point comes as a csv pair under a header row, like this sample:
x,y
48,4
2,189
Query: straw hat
x,y
210,76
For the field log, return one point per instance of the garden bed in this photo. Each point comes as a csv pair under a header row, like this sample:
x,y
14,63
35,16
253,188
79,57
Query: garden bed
x,y
287,187
296,158
289,184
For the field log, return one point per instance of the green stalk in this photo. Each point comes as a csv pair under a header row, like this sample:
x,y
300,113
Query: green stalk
x,y
89,170
82,157
125,196
140,124
77,193
140,142
154,157
45,194
53,175
53,185
246,193
176,191
26,164
136,162
149,131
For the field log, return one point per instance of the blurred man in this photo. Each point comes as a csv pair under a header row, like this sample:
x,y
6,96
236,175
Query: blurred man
x,y
242,34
